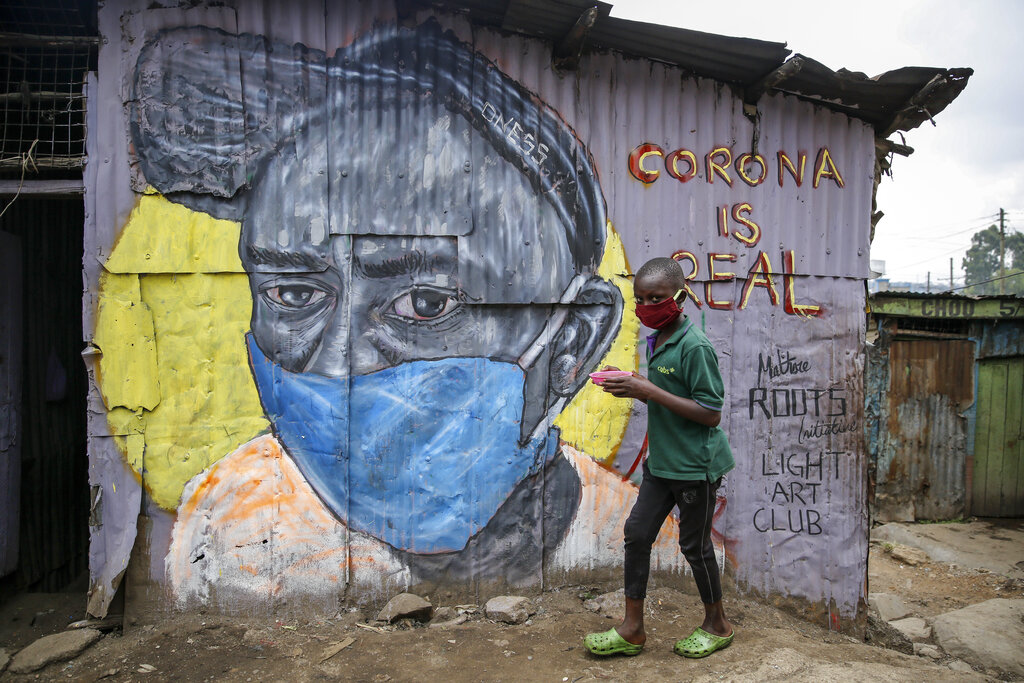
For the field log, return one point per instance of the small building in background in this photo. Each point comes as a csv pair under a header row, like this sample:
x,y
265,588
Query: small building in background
x,y
944,394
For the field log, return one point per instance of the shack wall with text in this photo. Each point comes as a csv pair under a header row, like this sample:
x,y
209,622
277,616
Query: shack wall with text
x,y
347,276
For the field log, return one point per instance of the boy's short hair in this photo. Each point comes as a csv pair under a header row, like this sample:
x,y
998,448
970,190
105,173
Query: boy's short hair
x,y
665,267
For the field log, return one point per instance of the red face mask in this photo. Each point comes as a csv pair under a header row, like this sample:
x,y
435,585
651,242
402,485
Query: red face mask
x,y
657,316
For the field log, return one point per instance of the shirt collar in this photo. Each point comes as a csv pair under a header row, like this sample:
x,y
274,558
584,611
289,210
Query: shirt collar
x,y
678,334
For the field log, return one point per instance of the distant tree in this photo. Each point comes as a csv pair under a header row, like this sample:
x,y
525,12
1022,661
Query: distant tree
x,y
981,263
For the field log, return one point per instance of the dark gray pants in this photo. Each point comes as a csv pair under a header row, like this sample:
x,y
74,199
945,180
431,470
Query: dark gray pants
x,y
657,497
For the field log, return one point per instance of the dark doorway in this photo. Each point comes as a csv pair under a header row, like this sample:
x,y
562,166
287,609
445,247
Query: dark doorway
x,y
53,512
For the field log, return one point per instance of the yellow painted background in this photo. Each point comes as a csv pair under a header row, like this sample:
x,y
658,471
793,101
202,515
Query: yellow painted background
x,y
174,307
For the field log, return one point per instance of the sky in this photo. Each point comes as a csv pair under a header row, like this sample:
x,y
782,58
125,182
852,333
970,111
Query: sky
x,y
966,167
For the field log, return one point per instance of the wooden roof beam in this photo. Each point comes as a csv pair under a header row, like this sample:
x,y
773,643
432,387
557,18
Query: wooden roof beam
x,y
567,53
916,103
773,79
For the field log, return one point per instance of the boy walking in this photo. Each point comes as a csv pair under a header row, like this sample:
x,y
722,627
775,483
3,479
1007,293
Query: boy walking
x,y
687,455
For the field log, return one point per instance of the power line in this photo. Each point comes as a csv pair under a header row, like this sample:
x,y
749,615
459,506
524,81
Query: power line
x,y
932,258
977,227
994,279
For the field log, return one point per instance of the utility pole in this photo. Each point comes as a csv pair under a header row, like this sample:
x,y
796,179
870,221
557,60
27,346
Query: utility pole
x,y
1002,252
951,273
928,287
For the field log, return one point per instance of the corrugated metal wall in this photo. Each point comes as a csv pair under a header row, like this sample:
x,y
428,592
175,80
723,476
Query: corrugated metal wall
x,y
922,453
445,136
943,390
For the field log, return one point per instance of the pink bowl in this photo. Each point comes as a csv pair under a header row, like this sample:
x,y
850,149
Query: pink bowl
x,y
601,376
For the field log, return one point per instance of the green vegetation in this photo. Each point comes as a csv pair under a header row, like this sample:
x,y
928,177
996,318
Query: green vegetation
x,y
981,263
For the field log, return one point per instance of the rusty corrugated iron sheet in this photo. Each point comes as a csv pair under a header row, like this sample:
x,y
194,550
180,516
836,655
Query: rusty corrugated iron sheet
x,y
901,99
921,461
934,422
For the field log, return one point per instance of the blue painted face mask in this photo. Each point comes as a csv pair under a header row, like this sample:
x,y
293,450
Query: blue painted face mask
x,y
420,455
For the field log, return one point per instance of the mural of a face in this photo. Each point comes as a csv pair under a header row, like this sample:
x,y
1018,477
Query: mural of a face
x,y
424,297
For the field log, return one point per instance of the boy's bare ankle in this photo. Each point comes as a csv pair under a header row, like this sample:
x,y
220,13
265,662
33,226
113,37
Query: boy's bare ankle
x,y
718,628
632,634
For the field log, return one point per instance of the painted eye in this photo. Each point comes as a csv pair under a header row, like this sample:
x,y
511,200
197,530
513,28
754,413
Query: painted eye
x,y
424,304
295,295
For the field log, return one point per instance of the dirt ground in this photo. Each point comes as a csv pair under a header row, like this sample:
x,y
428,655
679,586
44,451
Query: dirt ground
x,y
770,644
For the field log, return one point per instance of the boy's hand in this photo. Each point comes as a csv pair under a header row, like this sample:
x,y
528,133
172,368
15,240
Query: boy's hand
x,y
634,386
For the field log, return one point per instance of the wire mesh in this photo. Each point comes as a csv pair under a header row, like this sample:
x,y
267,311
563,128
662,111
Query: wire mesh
x,y
46,48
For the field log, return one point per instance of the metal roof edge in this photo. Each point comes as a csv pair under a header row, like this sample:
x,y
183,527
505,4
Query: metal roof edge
x,y
897,100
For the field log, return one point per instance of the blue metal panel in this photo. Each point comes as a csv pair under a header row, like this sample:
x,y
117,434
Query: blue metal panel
x,y
1001,338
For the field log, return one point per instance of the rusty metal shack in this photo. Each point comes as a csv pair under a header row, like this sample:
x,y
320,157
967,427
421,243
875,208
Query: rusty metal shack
x,y
347,266
944,394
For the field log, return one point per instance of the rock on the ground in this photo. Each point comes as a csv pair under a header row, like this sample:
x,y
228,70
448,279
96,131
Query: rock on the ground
x,y
444,614
406,606
914,628
610,604
445,617
511,609
908,555
927,650
454,621
56,648
961,666
4,659
881,634
988,634
890,607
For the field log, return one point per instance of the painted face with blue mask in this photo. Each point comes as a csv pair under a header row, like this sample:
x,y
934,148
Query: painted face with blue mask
x,y
421,234
420,455
420,316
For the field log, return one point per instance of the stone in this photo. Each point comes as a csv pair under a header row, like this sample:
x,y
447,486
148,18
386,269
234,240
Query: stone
x,y
909,556
961,666
610,604
55,648
5,659
881,634
917,630
927,650
444,614
406,606
511,609
987,635
455,621
889,607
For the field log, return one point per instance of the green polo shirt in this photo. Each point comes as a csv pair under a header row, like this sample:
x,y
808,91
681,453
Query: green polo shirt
x,y
677,448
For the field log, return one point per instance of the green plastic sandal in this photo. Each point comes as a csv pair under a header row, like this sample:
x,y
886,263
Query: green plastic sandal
x,y
700,643
610,643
